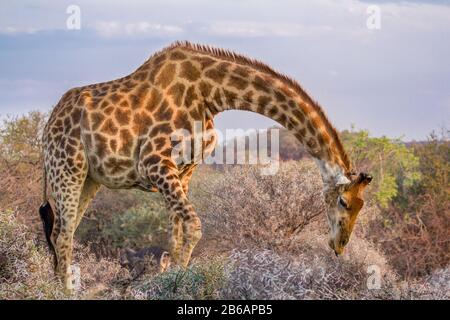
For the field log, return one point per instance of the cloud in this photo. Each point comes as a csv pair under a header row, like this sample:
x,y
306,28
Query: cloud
x,y
262,29
14,30
110,29
392,81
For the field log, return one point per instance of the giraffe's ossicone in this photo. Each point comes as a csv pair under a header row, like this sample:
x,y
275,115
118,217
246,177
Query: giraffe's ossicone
x,y
119,134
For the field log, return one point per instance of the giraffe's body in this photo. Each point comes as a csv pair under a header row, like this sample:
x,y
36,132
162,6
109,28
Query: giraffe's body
x,y
118,134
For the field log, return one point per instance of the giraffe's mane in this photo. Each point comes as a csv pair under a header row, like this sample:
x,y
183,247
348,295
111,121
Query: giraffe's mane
x,y
263,67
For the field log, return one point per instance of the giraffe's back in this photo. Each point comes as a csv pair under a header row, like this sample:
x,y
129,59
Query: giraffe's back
x,y
128,122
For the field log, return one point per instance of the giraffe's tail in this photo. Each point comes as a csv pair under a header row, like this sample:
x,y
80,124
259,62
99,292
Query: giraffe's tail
x,y
47,216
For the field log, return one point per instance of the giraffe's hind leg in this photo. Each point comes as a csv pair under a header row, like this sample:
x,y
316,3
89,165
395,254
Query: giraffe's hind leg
x,y
90,188
67,184
67,201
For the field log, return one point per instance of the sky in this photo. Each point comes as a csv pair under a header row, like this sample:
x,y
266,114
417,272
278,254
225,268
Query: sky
x,y
393,80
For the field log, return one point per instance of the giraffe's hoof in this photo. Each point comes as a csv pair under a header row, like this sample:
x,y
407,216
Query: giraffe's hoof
x,y
69,291
75,277
72,280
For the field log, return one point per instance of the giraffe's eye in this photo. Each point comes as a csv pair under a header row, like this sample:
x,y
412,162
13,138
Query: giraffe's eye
x,y
343,203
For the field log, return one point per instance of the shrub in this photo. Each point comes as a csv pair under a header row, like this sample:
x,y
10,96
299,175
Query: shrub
x,y
26,267
20,139
437,285
393,165
201,280
245,208
139,226
123,218
415,229
20,166
313,272
434,156
416,240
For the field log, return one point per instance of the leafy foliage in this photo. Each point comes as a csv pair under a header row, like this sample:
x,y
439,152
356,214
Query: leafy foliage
x,y
392,164
199,281
138,226
434,158
20,138
415,229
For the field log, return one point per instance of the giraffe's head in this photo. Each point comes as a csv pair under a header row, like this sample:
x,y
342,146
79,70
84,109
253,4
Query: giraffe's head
x,y
344,202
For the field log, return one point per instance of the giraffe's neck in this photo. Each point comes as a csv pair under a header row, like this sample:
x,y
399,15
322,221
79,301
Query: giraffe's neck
x,y
243,87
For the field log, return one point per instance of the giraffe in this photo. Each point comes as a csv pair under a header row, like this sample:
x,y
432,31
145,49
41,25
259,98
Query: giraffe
x,y
118,134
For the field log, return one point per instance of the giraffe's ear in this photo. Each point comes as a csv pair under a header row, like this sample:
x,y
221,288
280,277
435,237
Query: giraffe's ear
x,y
341,180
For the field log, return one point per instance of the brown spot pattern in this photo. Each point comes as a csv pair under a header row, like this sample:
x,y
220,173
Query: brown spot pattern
x,y
177,55
181,120
242,71
205,62
122,116
126,142
189,71
230,97
166,75
260,84
164,113
96,120
154,100
190,97
109,127
237,82
205,89
176,92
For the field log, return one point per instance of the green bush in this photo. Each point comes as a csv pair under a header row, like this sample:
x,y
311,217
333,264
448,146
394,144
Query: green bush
x,y
415,228
142,225
202,280
124,218
393,165
20,137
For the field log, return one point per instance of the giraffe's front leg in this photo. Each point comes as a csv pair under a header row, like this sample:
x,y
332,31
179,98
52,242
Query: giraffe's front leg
x,y
185,177
185,226
192,233
175,237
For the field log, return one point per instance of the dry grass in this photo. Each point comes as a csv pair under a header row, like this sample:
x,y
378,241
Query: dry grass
x,y
243,208
26,267
265,238
264,274
416,238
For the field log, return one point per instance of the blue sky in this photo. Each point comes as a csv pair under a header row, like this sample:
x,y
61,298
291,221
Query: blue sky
x,y
393,81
